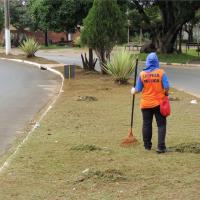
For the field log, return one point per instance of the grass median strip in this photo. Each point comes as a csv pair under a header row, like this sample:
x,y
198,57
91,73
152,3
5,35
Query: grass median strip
x,y
76,153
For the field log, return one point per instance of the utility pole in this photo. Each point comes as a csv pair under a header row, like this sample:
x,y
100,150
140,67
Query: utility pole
x,y
7,27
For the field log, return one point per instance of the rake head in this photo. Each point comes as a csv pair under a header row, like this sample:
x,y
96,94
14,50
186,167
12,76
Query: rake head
x,y
130,140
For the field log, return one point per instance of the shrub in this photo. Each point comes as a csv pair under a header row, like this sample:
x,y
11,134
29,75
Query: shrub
x,y
121,66
104,26
30,47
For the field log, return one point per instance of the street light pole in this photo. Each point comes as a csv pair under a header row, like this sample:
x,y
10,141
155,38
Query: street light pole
x,y
7,27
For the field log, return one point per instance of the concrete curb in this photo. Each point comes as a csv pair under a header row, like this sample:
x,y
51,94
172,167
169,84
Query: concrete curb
x,y
53,101
181,65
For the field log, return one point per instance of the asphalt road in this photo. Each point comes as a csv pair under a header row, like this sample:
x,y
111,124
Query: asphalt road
x,y
24,90
69,59
186,79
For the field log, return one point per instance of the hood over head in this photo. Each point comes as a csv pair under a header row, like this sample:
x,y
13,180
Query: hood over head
x,y
152,62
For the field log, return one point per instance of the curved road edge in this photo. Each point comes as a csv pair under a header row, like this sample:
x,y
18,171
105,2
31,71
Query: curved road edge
x,y
47,108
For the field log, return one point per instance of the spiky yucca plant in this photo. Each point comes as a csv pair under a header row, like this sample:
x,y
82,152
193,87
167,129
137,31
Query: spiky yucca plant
x,y
30,46
121,66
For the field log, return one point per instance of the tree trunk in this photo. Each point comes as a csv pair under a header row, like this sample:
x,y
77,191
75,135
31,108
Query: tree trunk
x,y
166,45
90,59
46,37
101,54
104,56
166,42
190,33
103,61
173,14
180,41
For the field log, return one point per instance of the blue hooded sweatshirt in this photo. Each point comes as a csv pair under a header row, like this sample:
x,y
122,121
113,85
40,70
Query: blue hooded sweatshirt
x,y
152,63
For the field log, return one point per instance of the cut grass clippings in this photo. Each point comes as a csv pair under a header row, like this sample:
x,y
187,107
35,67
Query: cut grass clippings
x,y
86,147
109,175
46,167
187,148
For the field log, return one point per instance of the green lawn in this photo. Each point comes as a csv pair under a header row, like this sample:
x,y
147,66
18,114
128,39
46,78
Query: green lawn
x,y
184,57
76,153
54,46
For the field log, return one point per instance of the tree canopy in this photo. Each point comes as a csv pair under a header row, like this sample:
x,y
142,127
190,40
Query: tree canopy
x,y
103,28
43,13
19,16
59,15
1,18
71,13
164,19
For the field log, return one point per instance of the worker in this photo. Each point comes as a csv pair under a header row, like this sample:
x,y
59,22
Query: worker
x,y
153,85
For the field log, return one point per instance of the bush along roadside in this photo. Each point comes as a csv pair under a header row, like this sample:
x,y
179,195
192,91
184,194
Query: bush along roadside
x,y
30,46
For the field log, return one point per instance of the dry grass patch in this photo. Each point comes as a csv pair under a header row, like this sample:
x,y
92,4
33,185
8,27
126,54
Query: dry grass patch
x,y
46,167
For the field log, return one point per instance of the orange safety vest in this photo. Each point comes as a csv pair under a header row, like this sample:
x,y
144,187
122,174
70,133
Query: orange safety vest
x,y
153,90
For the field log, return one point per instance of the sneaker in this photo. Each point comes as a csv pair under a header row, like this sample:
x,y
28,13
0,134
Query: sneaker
x,y
162,151
148,148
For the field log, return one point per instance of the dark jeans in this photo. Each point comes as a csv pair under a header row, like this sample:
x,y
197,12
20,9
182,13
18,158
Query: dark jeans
x,y
147,127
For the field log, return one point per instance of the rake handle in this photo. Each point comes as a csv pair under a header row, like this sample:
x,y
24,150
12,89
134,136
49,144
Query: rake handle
x,y
133,100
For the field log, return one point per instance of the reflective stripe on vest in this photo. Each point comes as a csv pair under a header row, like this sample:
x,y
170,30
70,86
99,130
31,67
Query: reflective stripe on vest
x,y
153,89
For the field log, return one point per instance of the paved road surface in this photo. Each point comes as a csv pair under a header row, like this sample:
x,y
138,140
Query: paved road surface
x,y
70,59
24,90
187,79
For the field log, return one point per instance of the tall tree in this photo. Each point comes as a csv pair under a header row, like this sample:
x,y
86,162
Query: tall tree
x,y
19,15
71,13
44,15
1,18
19,18
173,15
59,15
103,28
